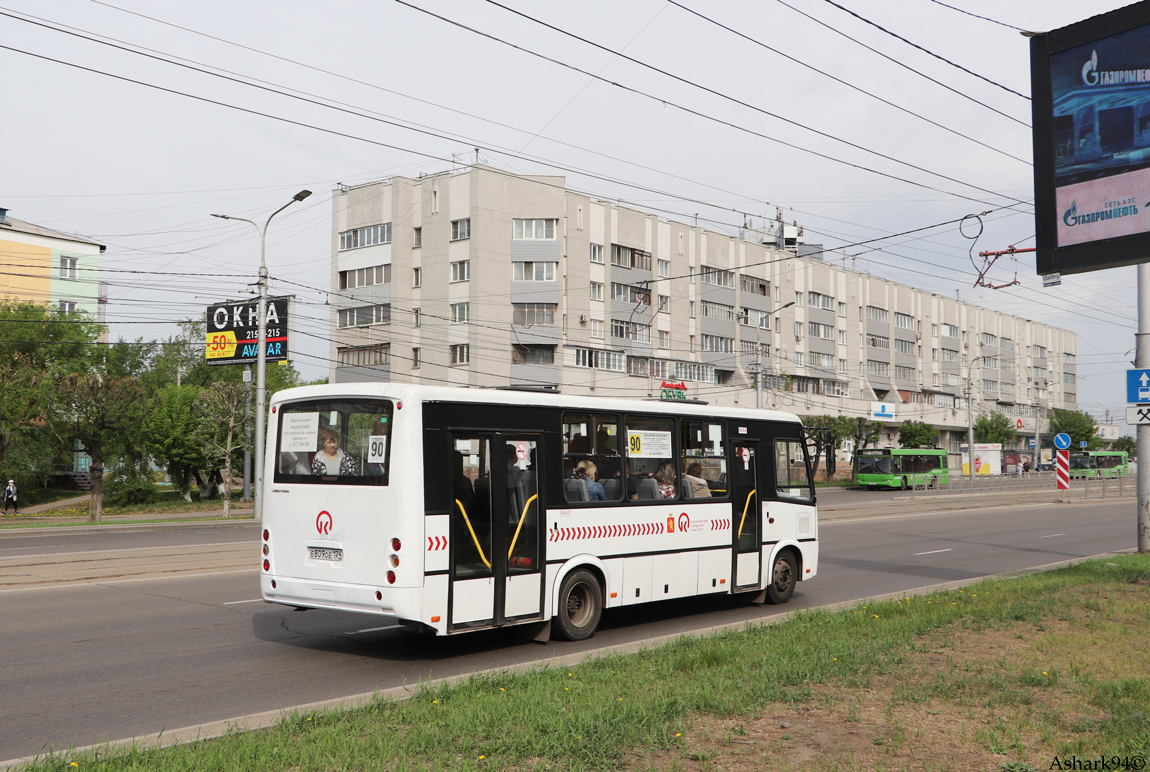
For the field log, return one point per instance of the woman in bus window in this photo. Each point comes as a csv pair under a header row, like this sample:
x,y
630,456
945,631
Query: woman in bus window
x,y
665,477
587,471
331,461
694,476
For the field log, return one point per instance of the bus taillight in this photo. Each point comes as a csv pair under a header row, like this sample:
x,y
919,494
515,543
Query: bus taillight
x,y
266,534
378,595
395,545
394,561
391,577
266,550
267,565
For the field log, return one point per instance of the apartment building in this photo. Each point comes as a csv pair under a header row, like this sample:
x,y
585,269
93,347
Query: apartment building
x,y
489,279
48,266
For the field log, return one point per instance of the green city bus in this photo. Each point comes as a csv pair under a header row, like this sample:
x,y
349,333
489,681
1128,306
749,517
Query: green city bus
x,y
901,467
1099,463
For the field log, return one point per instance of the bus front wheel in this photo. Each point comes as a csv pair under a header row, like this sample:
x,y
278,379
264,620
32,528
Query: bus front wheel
x,y
784,575
580,606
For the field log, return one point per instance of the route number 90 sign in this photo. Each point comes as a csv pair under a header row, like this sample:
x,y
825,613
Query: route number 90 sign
x,y
233,332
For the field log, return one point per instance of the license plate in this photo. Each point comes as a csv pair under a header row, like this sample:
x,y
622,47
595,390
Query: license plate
x,y
324,553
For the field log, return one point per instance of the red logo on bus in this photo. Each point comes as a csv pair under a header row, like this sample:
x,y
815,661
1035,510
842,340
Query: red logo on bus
x,y
684,522
323,522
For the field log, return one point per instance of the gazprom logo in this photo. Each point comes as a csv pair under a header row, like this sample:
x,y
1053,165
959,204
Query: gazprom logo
x,y
1072,218
1090,70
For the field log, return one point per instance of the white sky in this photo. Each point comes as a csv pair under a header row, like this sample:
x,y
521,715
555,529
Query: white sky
x,y
141,169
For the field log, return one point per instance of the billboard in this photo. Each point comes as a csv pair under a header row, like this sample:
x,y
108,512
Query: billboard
x,y
233,332
1090,89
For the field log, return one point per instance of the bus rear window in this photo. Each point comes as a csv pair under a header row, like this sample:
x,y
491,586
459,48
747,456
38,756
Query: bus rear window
x,y
334,442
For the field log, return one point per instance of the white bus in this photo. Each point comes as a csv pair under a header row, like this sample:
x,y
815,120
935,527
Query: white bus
x,y
463,509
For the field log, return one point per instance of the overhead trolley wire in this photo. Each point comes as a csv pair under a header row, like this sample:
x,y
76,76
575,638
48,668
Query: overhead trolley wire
x,y
975,15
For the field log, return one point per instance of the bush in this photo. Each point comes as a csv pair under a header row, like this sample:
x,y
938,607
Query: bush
x,y
127,486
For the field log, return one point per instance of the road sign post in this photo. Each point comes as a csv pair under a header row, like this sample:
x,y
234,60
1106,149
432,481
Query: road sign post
x,y
1062,472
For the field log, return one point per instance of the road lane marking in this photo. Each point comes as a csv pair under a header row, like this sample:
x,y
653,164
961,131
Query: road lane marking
x,y
42,546
234,602
1051,536
934,552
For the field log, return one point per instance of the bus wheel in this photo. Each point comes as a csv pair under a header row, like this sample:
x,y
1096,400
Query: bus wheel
x,y
902,485
784,575
580,606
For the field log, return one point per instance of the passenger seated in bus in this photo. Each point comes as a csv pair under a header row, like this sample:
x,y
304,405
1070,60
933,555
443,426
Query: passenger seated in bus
x,y
331,460
694,476
579,444
665,477
605,443
588,472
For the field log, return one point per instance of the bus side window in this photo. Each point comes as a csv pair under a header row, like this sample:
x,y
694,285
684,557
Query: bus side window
x,y
791,479
651,471
704,460
592,466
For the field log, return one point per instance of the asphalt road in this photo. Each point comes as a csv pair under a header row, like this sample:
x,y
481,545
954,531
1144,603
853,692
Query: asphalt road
x,y
91,662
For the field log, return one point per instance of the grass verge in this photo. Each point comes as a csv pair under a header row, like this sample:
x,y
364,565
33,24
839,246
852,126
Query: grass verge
x,y
1004,675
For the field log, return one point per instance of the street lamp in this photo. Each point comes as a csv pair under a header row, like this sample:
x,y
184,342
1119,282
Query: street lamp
x,y
262,342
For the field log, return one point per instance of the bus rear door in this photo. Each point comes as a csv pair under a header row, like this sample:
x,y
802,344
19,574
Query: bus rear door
x,y
496,549
746,525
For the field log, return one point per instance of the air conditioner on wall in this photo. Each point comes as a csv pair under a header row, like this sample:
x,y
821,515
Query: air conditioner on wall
x,y
583,318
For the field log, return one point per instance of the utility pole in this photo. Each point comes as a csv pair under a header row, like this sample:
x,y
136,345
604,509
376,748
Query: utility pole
x,y
758,375
969,422
1141,360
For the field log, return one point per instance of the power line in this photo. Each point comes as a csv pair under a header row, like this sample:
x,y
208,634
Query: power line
x,y
846,83
975,15
912,44
903,65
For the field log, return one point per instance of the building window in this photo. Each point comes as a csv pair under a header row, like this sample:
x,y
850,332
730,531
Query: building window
x,y
753,285
989,385
461,229
417,317
365,277
949,355
460,354
364,316
798,329
416,277
540,230
1068,377
641,333
461,270
822,360
718,277
534,271
365,237
596,290
842,337
691,305
664,304
533,313
904,346
718,343
1038,352
903,321
905,373
990,363
824,331
880,369
600,360
626,292
842,366
637,366
744,317
460,312
664,269
876,314
989,340
417,241
67,307
949,330
718,311
532,355
68,268
819,300
837,388
764,320
657,368
799,358
843,310
799,299
692,371
363,356
664,339
628,257
415,359
596,253
596,327
1066,358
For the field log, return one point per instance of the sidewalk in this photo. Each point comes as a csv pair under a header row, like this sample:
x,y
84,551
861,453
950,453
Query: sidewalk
x,y
239,512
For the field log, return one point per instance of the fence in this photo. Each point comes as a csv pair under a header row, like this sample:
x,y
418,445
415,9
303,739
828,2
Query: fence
x,y
1034,482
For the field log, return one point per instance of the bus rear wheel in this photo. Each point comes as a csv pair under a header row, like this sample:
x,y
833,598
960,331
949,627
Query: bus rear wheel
x,y
580,606
784,576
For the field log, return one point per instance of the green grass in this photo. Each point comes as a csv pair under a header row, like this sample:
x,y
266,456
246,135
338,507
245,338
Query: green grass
x,y
167,502
1052,663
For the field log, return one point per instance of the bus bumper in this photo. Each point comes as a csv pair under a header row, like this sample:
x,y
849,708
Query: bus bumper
x,y
397,603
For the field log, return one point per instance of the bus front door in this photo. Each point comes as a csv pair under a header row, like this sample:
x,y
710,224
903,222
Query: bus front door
x,y
746,525
495,536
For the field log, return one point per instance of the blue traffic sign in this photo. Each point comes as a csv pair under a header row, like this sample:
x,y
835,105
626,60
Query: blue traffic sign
x,y
1083,443
1138,386
1062,441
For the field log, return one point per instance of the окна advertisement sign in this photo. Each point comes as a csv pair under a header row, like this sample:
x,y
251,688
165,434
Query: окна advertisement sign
x,y
233,332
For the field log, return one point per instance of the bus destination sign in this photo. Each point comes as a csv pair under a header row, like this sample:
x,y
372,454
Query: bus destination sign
x,y
233,332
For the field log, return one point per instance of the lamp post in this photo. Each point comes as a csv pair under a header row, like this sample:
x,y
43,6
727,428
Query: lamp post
x,y
262,342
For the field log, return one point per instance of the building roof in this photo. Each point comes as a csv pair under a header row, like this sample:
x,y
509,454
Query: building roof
x,y
19,226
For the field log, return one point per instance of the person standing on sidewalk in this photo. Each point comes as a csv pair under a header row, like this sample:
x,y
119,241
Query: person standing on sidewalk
x,y
10,496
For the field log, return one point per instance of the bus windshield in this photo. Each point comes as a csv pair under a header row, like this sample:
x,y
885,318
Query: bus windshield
x,y
334,442
874,465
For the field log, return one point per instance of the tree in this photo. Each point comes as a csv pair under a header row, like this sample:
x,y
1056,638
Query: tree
x,y
225,411
37,345
1079,425
993,427
170,429
862,431
913,434
101,413
837,429
1128,444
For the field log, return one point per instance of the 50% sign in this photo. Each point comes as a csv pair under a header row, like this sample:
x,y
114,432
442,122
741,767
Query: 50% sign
x,y
221,345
